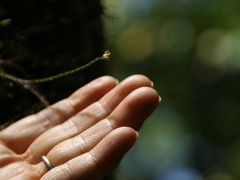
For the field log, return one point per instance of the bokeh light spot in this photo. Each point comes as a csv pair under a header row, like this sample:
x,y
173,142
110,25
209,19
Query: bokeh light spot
x,y
219,49
209,49
176,36
220,176
136,42
182,173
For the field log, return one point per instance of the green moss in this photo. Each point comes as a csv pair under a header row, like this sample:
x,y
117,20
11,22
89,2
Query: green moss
x,y
42,38
5,22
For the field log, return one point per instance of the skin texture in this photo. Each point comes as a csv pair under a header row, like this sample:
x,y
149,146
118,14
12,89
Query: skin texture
x,y
84,136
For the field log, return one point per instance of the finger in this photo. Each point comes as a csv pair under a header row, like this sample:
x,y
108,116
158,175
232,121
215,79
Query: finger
x,y
99,161
84,119
32,126
135,108
131,112
7,156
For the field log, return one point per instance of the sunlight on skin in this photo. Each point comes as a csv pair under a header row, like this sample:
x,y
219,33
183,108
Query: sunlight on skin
x,y
84,136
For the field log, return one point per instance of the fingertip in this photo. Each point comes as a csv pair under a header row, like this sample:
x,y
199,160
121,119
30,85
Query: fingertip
x,y
119,140
108,78
135,108
97,87
125,135
147,92
103,81
113,147
139,79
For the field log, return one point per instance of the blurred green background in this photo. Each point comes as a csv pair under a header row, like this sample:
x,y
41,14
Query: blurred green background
x,y
189,48
191,51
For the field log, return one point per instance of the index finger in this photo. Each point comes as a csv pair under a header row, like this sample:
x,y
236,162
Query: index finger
x,y
29,128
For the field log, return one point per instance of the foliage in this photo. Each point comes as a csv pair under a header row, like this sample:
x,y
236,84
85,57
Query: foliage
x,y
190,49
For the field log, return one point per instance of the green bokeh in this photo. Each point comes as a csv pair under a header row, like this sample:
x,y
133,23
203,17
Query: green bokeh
x,y
191,51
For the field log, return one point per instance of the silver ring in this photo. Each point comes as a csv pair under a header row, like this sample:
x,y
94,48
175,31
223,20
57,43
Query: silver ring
x,y
47,163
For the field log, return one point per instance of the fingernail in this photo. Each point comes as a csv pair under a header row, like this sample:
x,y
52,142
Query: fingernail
x,y
160,99
137,133
152,84
117,81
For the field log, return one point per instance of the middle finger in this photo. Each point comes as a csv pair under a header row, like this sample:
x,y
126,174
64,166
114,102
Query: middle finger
x,y
131,112
84,119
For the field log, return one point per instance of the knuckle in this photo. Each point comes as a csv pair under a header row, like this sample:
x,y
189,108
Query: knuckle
x,y
79,143
93,159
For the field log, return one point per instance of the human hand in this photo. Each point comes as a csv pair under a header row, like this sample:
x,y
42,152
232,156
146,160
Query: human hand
x,y
84,136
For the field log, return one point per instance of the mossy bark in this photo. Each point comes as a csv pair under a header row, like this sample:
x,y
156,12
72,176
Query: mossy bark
x,y
42,38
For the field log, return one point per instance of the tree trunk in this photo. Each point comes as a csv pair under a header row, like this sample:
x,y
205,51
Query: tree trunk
x,y
42,38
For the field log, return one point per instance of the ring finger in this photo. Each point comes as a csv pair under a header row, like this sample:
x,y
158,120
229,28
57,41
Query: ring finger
x,y
131,112
84,119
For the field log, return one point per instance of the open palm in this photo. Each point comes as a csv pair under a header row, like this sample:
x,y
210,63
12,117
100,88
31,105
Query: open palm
x,y
84,136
